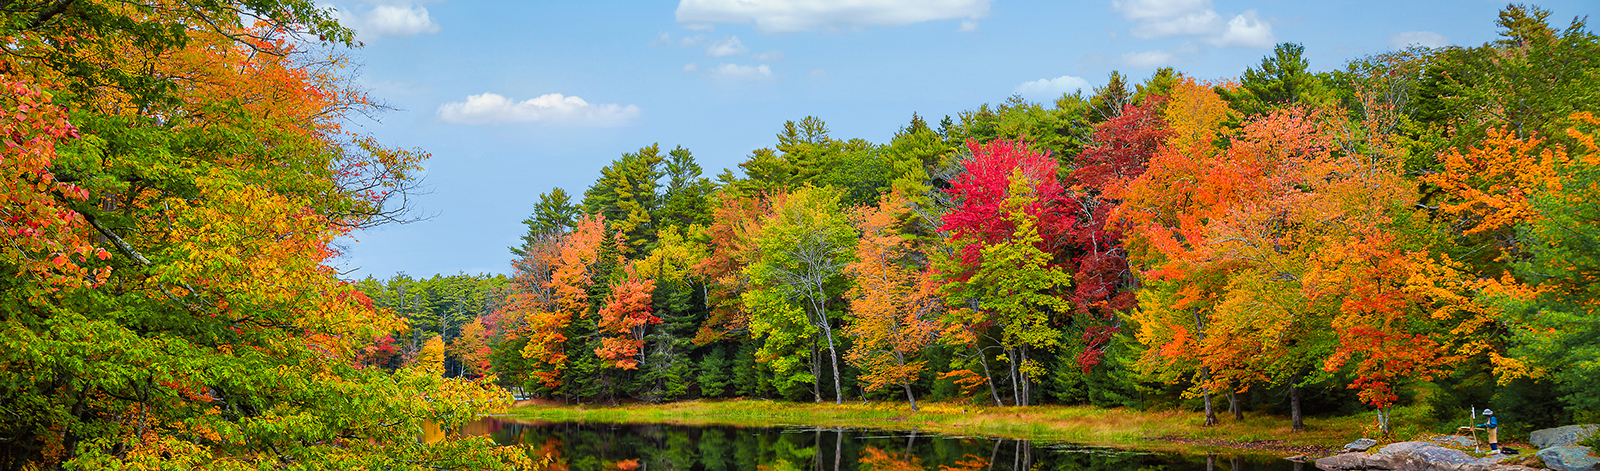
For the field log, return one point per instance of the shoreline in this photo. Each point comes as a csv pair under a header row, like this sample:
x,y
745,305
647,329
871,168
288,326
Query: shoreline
x,y
1174,431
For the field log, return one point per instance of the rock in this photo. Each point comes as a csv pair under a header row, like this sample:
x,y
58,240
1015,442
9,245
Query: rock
x,y
1361,444
1297,458
1424,455
1569,458
1561,436
1354,461
1455,440
1416,456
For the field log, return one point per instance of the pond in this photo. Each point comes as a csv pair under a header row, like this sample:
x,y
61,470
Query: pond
x,y
629,447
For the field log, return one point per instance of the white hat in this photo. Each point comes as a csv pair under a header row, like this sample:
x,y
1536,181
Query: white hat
x,y
1488,412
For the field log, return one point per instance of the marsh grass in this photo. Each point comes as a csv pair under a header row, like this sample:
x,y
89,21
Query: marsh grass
x,y
1122,428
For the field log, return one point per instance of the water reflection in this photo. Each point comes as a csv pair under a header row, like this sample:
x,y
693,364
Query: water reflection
x,y
597,447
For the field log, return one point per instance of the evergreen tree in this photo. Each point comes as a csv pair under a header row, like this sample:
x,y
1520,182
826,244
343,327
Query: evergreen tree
x,y
626,195
553,215
1281,80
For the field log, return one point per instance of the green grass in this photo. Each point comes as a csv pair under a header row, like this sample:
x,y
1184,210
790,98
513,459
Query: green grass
x,y
1122,428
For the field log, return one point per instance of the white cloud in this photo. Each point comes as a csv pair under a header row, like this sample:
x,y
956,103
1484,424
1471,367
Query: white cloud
x,y
691,67
1189,24
554,108
769,56
1164,18
787,16
967,26
741,72
726,47
1246,30
1147,58
1051,89
389,20
1418,38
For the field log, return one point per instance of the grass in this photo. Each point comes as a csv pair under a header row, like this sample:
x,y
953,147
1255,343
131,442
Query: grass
x,y
1181,431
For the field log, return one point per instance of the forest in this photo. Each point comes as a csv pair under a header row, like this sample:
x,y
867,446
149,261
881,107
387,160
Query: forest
x,y
1412,233
1405,236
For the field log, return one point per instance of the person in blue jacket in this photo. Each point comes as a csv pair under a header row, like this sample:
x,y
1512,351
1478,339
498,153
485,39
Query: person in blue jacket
x,y
1493,426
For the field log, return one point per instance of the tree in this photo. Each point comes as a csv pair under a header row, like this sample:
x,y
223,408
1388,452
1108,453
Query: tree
x,y
472,349
804,245
552,216
626,195
687,198
208,206
986,226
1559,318
545,326
1124,146
892,301
625,315
1281,80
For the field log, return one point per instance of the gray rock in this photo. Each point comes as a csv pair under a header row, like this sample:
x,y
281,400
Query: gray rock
x,y
1455,440
1569,458
1561,436
1355,461
1424,455
1416,456
1361,444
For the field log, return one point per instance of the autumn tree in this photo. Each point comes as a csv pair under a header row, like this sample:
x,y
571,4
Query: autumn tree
x,y
893,303
198,230
545,324
624,316
1006,197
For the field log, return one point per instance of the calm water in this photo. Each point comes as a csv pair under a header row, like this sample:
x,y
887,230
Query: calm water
x,y
597,447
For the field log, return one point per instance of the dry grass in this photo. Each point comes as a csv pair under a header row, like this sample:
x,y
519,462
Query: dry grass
x,y
1124,428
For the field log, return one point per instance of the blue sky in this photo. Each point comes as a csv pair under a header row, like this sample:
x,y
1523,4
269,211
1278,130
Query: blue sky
x,y
514,98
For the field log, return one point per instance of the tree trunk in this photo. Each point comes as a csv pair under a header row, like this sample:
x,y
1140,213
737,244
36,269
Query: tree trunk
x,y
1027,390
1011,371
1233,405
1294,403
821,306
910,398
816,372
838,391
1205,373
989,378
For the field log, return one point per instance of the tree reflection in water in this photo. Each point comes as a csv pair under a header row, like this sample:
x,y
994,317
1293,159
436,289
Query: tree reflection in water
x,y
607,447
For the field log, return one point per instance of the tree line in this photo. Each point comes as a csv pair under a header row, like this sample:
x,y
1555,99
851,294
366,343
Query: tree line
x,y
1412,229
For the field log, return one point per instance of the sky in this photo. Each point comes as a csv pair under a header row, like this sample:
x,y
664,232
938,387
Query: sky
x,y
514,98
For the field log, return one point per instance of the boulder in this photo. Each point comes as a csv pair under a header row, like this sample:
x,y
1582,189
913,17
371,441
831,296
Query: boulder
x,y
1569,458
1561,436
1455,440
1354,461
1425,456
1361,444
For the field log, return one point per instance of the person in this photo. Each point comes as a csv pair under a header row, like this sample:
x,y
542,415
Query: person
x,y
1493,426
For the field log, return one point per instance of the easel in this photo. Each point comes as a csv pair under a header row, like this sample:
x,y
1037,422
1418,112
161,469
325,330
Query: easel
x,y
1472,416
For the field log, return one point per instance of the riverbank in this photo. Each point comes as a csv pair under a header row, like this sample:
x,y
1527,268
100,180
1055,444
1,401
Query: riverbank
x,y
1182,431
